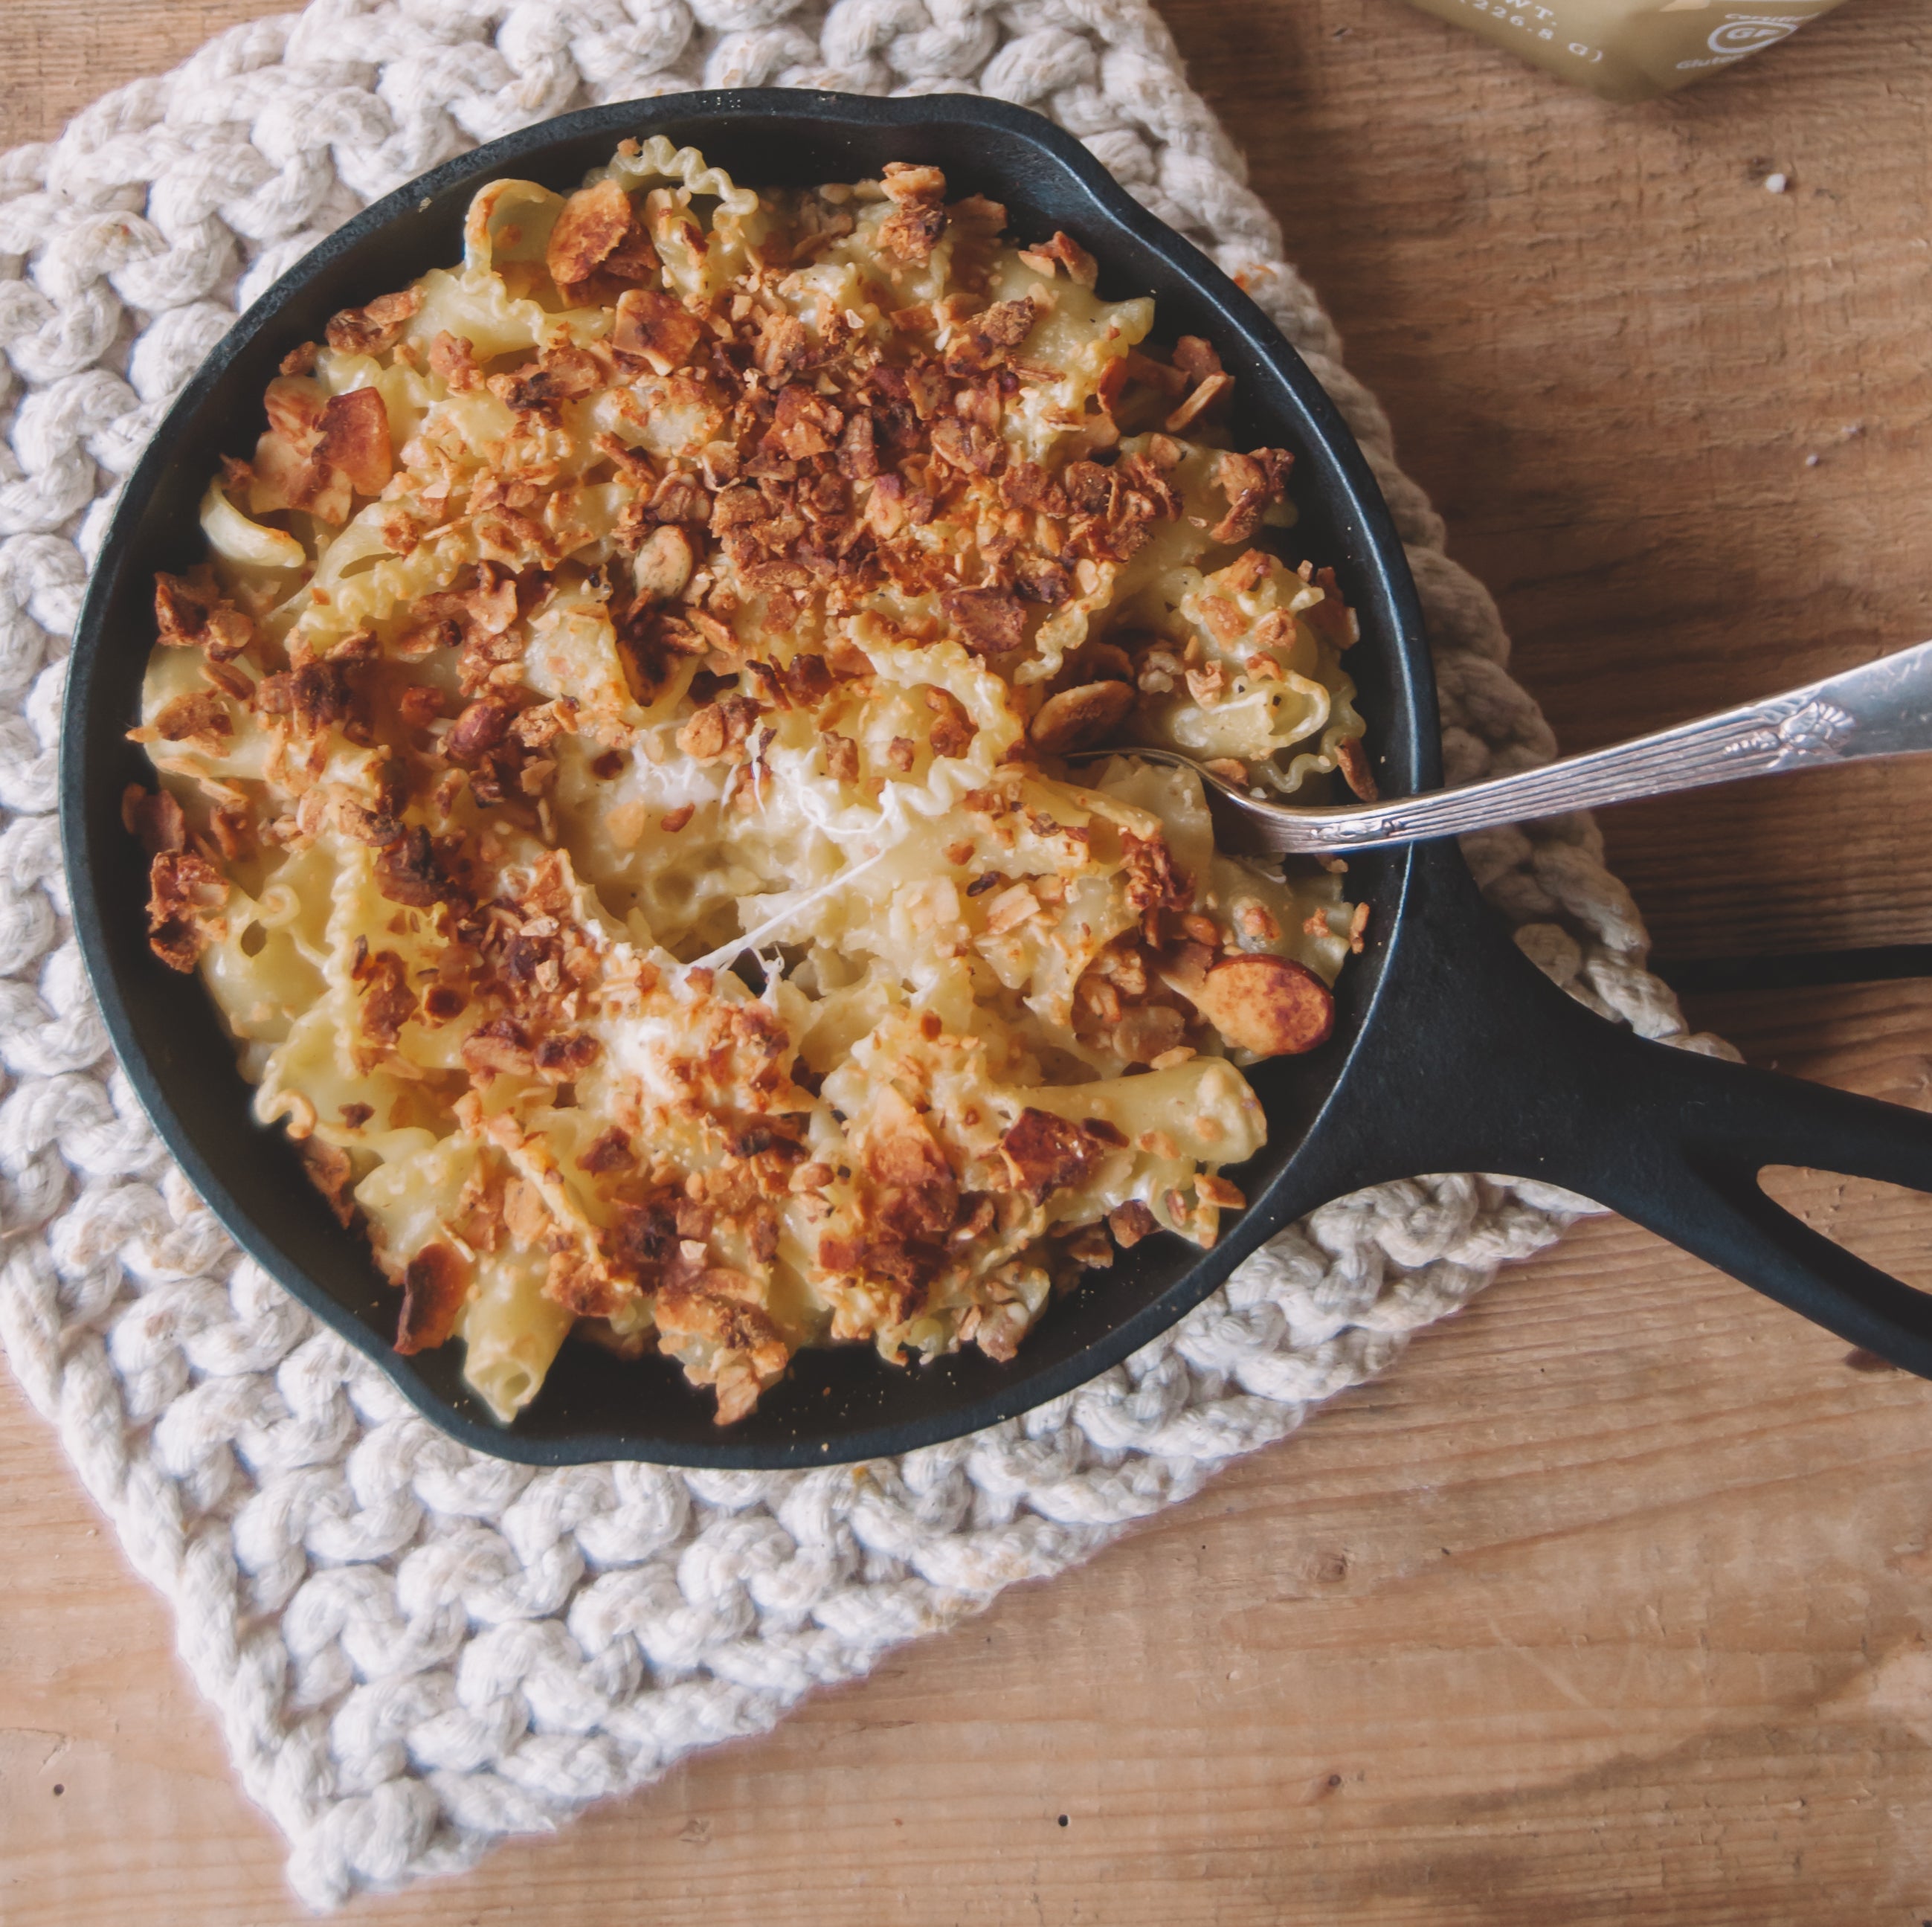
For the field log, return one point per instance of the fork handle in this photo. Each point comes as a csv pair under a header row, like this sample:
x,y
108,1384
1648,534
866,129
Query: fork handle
x,y
1881,709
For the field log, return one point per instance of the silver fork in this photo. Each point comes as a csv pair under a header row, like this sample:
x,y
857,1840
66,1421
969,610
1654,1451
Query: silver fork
x,y
1882,709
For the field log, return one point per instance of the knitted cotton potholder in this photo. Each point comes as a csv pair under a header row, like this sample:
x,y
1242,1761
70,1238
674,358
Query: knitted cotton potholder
x,y
415,1650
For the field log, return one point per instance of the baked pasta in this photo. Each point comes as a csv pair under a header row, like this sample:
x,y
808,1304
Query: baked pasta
x,y
610,782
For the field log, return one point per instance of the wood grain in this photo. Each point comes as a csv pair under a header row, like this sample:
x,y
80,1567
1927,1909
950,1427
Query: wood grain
x,y
1608,1606
1609,354
58,56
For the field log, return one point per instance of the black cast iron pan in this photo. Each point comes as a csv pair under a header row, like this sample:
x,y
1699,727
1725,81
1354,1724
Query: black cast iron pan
x,y
1451,1052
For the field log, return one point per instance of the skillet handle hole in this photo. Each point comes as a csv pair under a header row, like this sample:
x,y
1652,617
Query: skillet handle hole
x,y
1889,1226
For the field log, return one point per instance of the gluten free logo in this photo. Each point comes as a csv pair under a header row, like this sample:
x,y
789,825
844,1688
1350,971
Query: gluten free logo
x,y
1745,33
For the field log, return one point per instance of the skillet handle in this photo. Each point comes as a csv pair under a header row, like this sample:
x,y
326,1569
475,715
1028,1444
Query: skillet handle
x,y
1500,1071
1693,1145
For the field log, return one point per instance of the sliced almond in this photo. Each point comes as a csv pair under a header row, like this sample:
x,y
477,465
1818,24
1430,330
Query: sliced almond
x,y
1078,718
664,564
704,736
1010,909
1272,1006
1355,770
593,221
1203,397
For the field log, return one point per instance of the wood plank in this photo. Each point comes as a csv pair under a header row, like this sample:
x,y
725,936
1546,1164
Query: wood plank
x,y
1608,353
1607,1607
56,56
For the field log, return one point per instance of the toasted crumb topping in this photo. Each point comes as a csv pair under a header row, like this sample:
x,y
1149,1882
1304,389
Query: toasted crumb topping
x,y
608,774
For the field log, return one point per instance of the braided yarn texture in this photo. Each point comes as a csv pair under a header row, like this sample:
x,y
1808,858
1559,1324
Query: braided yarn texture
x,y
415,1650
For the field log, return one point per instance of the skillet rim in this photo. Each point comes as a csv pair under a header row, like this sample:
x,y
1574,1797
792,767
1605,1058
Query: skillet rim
x,y
1410,739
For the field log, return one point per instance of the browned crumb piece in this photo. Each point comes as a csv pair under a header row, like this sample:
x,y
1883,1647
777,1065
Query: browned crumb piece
x,y
841,757
990,621
610,1152
419,704
1089,1248
952,729
1154,880
1130,1222
915,1195
559,374
355,438
982,340
183,890
1062,251
452,357
717,727
410,870
663,565
597,229
918,194
330,1172
807,681
503,1044
1045,1152
191,613
155,818
1270,1005
1195,357
368,330
481,727
1252,483
750,1354
434,1284
320,451
315,696
388,1002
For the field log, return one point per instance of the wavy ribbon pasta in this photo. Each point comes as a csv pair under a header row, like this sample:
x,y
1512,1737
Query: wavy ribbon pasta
x,y
610,782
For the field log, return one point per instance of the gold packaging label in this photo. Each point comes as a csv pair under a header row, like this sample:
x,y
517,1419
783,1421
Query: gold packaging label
x,y
1632,49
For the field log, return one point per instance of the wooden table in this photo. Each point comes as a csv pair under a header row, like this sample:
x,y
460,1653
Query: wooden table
x,y
1611,1604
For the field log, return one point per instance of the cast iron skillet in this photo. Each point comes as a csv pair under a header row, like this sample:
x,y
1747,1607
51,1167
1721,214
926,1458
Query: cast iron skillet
x,y
1451,1052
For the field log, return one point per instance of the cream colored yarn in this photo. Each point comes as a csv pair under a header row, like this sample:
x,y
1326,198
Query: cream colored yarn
x,y
415,1650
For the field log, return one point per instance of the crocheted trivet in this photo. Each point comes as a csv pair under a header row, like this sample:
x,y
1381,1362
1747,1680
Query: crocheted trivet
x,y
415,1650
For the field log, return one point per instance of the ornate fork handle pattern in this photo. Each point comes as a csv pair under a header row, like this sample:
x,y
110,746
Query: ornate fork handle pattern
x,y
1881,709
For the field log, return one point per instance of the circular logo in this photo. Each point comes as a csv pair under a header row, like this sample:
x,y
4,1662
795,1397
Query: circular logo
x,y
1747,36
